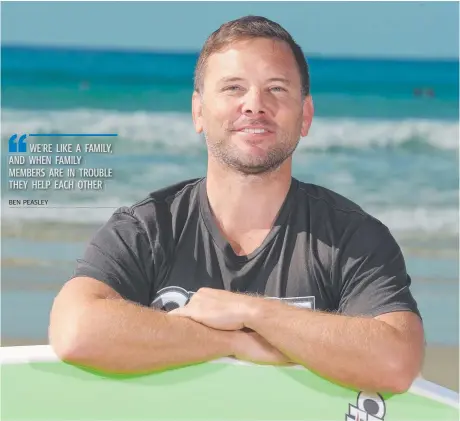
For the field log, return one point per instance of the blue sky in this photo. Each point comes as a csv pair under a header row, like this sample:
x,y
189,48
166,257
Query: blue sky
x,y
394,29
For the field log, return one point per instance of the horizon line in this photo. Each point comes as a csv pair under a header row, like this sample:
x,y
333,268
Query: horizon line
x,y
179,51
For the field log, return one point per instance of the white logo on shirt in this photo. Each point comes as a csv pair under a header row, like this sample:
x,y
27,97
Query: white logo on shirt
x,y
173,297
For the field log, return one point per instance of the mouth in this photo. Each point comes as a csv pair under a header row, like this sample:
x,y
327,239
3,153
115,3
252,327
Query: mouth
x,y
251,130
254,131
254,136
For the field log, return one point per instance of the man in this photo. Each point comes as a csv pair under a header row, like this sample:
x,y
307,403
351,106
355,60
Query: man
x,y
248,261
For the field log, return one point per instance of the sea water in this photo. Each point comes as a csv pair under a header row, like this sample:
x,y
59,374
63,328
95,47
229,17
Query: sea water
x,y
385,134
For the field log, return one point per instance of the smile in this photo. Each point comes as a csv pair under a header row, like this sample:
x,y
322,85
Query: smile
x,y
254,131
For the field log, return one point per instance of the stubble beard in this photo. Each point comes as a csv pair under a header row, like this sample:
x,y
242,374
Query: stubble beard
x,y
230,156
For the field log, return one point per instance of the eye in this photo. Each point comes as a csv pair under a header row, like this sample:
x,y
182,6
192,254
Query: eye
x,y
277,89
231,88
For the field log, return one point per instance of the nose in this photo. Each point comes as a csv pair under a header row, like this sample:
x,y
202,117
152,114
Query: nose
x,y
253,103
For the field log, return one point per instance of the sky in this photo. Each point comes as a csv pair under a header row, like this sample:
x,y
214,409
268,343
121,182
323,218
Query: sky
x,y
378,29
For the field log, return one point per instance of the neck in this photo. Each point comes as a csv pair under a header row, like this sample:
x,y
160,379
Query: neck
x,y
245,204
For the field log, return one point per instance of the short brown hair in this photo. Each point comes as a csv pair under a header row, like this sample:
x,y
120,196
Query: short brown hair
x,y
245,28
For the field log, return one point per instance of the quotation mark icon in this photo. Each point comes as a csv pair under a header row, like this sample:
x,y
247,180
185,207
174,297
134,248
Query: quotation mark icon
x,y
17,145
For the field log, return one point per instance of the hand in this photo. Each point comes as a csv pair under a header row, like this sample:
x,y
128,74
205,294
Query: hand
x,y
218,309
251,347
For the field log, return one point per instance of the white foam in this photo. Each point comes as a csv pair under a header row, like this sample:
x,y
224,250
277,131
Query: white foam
x,y
175,130
362,134
420,219
170,130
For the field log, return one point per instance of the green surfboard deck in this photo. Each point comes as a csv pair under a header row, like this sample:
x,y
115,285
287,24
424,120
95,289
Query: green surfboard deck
x,y
210,391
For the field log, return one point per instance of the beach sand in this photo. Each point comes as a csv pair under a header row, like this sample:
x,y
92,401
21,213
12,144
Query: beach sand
x,y
441,362
442,365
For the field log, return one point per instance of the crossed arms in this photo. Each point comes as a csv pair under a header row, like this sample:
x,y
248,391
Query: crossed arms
x,y
93,325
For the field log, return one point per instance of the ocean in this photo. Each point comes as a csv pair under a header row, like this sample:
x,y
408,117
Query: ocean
x,y
385,135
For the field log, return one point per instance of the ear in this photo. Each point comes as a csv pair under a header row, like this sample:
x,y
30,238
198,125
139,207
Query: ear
x,y
307,115
197,109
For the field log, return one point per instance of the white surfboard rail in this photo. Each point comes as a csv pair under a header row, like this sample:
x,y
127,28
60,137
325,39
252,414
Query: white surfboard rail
x,y
45,353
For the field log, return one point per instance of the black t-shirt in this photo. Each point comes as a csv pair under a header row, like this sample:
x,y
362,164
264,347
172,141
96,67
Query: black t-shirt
x,y
323,252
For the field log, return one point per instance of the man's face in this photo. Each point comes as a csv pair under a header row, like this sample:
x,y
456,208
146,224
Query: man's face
x,y
251,109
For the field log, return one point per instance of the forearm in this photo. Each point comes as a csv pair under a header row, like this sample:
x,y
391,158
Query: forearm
x,y
119,336
358,352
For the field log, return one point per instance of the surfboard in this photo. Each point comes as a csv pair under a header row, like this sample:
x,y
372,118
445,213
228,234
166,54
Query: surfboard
x,y
36,385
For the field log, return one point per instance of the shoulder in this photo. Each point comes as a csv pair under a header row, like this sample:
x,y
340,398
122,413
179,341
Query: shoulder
x,y
337,218
159,210
162,202
322,197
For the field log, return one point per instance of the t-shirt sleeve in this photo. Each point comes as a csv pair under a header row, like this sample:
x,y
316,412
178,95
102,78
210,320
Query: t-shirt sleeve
x,y
119,254
373,272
